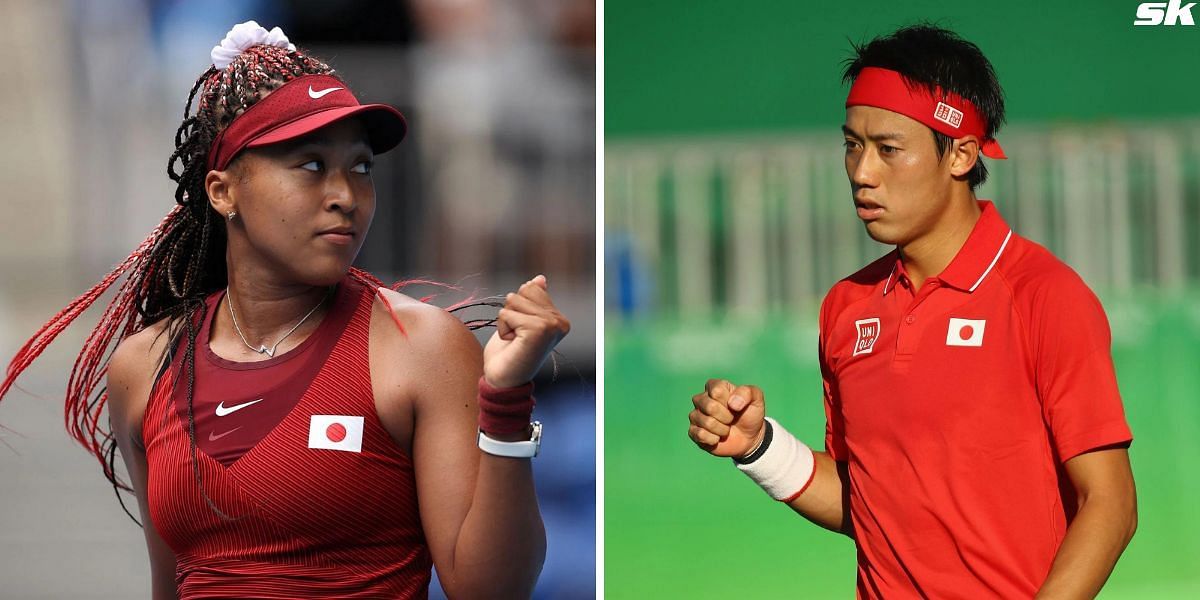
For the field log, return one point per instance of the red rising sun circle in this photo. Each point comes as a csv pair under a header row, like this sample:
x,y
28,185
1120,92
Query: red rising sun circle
x,y
336,432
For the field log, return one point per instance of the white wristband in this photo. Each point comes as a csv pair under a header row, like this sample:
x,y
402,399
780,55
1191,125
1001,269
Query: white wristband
x,y
523,449
785,468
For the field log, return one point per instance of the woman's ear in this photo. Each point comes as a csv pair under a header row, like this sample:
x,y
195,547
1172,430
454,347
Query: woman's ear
x,y
219,185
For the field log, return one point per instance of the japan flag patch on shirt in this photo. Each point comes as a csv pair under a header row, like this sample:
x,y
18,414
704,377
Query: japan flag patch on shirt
x,y
336,432
965,332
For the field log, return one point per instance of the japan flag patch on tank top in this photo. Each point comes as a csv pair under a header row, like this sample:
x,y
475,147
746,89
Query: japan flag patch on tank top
x,y
965,332
336,432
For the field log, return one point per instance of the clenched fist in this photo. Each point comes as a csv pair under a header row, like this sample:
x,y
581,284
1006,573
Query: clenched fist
x,y
527,329
728,419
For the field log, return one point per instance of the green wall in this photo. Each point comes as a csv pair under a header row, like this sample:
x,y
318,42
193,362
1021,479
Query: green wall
x,y
708,66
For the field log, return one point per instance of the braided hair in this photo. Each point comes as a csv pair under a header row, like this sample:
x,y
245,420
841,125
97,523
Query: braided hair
x,y
179,264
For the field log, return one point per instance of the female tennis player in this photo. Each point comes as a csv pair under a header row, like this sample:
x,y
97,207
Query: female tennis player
x,y
291,427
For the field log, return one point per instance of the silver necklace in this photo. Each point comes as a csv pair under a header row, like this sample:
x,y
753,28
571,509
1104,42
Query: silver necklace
x,y
262,348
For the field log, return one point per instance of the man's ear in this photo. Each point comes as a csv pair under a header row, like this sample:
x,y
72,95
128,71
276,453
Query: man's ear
x,y
964,153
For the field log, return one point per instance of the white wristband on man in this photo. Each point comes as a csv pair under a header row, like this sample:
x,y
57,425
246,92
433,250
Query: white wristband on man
x,y
782,465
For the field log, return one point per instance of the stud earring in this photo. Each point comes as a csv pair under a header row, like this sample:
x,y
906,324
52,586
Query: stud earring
x,y
232,214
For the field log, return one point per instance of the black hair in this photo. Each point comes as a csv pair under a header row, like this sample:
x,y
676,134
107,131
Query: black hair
x,y
930,56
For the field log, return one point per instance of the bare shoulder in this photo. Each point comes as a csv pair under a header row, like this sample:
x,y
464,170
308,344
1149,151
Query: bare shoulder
x,y
429,331
132,368
421,355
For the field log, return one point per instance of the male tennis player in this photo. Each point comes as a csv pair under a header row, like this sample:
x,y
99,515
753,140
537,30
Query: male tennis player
x,y
975,441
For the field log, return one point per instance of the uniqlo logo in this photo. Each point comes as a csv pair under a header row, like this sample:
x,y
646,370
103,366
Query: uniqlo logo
x,y
948,115
868,332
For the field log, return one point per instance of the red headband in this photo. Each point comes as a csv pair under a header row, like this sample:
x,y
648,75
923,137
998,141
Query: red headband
x,y
945,112
299,107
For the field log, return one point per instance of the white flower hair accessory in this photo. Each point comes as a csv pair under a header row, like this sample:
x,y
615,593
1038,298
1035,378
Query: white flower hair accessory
x,y
243,36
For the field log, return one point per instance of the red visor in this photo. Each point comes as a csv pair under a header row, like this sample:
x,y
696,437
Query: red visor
x,y
942,111
300,107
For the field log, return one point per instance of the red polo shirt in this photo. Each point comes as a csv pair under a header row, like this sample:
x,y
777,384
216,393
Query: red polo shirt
x,y
955,408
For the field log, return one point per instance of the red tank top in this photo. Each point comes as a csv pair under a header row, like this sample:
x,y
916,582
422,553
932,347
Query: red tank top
x,y
236,404
323,502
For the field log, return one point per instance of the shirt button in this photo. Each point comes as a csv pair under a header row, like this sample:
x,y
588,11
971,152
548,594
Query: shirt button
x,y
910,319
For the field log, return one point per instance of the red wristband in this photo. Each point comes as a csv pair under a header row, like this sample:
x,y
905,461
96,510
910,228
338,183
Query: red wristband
x,y
504,410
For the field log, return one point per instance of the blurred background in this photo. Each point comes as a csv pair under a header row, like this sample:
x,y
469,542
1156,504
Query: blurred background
x,y
494,184
727,216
